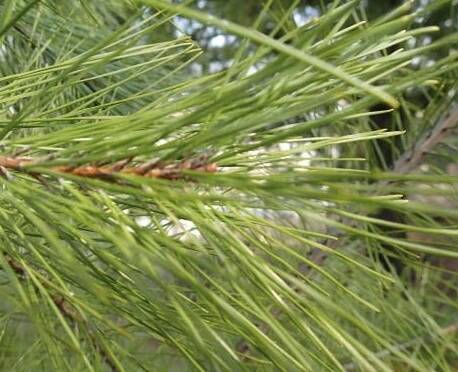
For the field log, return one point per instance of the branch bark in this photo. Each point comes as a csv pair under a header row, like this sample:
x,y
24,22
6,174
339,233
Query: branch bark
x,y
153,169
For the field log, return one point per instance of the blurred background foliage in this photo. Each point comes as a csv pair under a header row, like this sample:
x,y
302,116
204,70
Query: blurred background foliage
x,y
220,47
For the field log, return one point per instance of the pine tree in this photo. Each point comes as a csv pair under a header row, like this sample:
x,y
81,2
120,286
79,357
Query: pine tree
x,y
296,211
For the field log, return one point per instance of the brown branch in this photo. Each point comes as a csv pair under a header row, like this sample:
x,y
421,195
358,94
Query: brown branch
x,y
67,311
413,158
408,162
154,169
405,164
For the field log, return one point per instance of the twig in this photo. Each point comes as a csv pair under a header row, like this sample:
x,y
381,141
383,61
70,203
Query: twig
x,y
109,172
405,164
66,309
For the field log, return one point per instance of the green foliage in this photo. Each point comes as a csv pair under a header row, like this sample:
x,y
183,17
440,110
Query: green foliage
x,y
274,261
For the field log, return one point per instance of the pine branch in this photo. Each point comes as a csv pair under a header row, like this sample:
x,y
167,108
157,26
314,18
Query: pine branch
x,y
195,291
67,311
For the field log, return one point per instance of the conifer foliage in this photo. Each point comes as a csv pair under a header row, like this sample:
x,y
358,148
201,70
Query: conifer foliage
x,y
296,211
